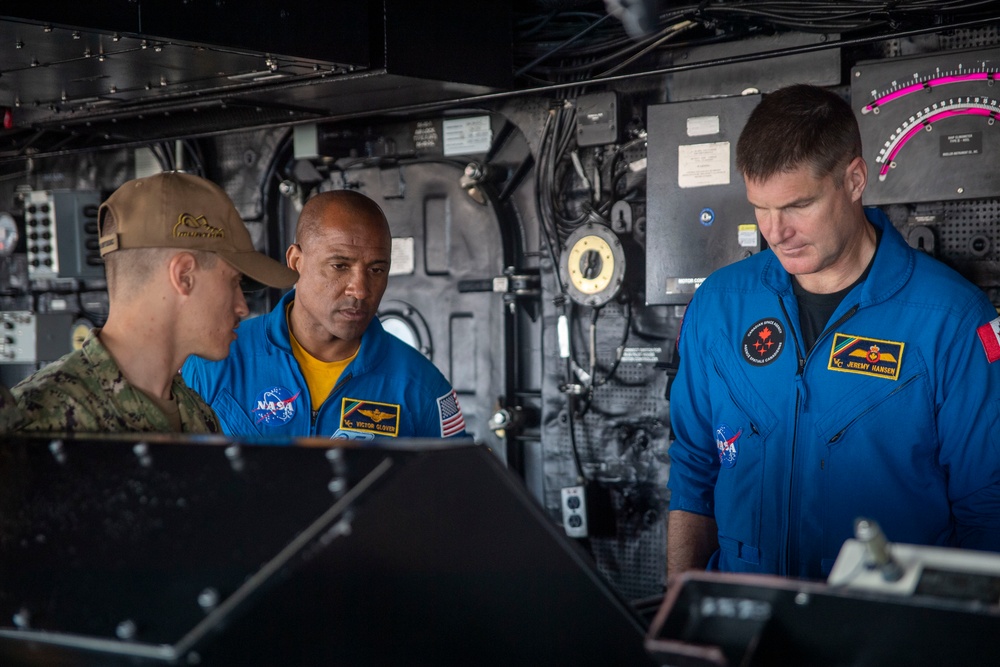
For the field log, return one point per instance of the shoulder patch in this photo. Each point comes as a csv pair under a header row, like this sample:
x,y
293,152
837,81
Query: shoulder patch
x,y
866,356
989,336
450,412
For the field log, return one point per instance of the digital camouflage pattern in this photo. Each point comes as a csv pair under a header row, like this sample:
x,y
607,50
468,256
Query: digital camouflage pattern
x,y
85,392
10,414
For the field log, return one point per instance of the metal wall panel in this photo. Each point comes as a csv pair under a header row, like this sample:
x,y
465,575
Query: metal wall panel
x,y
698,216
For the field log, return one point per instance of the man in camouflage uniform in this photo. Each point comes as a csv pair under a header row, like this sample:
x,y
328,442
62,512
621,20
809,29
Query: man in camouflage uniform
x,y
10,414
169,298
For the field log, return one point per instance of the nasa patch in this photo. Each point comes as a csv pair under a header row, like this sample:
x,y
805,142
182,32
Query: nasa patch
x,y
763,342
725,441
274,406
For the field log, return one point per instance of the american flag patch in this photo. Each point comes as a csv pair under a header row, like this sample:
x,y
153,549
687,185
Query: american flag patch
x,y
989,336
452,421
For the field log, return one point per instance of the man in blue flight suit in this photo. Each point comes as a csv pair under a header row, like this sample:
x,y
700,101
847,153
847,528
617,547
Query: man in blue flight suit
x,y
320,363
838,374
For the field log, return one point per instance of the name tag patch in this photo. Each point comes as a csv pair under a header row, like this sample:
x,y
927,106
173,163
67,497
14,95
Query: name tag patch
x,y
370,417
866,356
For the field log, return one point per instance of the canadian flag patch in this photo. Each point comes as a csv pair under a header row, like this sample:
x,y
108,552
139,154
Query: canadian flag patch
x,y
989,335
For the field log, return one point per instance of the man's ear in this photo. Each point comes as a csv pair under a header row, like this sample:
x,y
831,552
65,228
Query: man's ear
x,y
856,177
293,256
182,269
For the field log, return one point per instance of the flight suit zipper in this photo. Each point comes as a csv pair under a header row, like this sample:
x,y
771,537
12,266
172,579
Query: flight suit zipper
x,y
340,383
801,360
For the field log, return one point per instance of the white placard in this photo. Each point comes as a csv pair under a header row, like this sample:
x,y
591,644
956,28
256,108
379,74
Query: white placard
x,y
402,256
467,135
703,164
700,126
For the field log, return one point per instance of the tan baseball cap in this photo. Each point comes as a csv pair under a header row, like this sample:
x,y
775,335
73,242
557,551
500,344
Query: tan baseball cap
x,y
177,210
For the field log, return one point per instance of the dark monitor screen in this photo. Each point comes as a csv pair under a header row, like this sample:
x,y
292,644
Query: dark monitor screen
x,y
209,551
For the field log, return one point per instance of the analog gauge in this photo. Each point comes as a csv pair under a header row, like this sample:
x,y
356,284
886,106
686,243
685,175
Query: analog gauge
x,y
8,233
592,265
78,333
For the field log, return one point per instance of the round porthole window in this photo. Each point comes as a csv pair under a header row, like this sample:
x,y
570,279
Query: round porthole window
x,y
405,323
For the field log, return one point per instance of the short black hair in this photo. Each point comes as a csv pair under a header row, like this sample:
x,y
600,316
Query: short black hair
x,y
795,126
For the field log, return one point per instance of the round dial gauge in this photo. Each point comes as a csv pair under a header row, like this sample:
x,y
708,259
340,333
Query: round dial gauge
x,y
8,233
78,333
593,265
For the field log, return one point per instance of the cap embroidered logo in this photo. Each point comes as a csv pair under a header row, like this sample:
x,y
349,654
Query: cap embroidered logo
x,y
188,225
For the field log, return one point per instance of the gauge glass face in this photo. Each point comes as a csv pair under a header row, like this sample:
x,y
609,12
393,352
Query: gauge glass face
x,y
591,264
402,330
78,334
8,233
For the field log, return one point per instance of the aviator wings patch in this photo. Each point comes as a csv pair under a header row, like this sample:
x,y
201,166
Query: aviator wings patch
x,y
866,356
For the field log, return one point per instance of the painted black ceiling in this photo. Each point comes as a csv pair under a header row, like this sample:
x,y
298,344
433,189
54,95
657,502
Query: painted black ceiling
x,y
132,71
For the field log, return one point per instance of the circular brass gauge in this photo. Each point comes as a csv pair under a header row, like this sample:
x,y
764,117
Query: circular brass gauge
x,y
592,266
78,333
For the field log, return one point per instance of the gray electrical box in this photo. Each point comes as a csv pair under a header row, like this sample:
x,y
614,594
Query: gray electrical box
x,y
62,234
28,338
698,216
597,119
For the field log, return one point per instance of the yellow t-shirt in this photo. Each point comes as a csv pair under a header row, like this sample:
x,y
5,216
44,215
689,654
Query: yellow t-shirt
x,y
321,376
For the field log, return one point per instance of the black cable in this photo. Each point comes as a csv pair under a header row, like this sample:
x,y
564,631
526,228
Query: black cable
x,y
620,351
547,229
619,354
608,45
545,225
563,44
541,24
658,42
571,423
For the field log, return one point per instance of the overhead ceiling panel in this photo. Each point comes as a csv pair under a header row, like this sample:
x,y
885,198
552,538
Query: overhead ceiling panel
x,y
128,71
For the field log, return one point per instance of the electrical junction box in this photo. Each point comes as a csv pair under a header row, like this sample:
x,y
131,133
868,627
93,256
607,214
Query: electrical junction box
x,y
698,218
597,119
62,234
27,337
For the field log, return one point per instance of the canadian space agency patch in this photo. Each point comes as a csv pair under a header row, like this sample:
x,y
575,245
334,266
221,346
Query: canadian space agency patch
x,y
725,441
763,342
